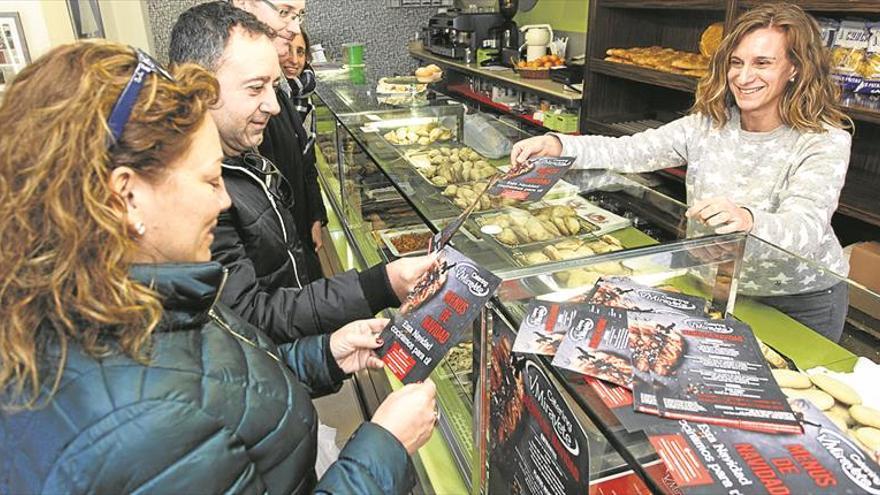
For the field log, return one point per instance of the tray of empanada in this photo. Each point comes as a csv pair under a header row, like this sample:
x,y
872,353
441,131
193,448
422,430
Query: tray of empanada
x,y
519,227
418,134
447,165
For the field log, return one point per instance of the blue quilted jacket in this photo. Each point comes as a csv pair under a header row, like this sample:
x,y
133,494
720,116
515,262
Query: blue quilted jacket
x,y
219,409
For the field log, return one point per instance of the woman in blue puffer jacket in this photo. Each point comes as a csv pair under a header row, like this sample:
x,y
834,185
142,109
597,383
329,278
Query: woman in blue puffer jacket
x,y
119,372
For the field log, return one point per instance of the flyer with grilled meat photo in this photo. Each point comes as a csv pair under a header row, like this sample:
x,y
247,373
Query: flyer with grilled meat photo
x,y
707,459
709,371
656,351
532,179
543,327
538,446
441,306
597,345
623,293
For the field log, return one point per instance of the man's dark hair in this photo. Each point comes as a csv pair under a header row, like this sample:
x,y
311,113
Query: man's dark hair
x,y
201,33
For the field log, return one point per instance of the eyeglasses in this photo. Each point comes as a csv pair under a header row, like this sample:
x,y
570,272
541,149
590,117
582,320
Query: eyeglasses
x,y
287,14
283,192
125,103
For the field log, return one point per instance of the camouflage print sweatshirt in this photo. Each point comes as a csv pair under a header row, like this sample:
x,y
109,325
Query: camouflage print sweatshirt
x,y
789,180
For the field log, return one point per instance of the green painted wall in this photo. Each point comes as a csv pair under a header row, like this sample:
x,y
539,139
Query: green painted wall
x,y
565,15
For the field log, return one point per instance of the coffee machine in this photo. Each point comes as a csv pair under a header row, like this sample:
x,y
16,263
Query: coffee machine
x,y
454,34
508,32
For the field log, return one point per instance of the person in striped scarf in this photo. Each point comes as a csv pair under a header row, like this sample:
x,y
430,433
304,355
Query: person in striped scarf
x,y
310,212
301,78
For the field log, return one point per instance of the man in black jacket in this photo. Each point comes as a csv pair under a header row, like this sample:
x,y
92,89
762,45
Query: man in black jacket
x,y
285,138
256,238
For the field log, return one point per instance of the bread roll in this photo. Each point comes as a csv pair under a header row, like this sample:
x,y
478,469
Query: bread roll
x,y
837,389
711,38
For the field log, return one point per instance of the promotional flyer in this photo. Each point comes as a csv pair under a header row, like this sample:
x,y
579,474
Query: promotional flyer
x,y
537,445
597,345
623,293
713,459
709,371
543,327
532,179
442,305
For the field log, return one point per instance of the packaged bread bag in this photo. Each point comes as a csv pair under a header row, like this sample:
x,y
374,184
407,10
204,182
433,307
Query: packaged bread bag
x,y
849,52
827,29
870,70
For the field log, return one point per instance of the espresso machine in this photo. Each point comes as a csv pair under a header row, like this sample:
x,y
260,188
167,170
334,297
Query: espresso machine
x,y
508,32
457,35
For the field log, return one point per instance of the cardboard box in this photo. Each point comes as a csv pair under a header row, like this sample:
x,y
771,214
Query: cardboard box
x,y
864,268
864,265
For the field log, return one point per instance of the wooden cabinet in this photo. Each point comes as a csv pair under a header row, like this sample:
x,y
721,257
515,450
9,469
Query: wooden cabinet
x,y
623,99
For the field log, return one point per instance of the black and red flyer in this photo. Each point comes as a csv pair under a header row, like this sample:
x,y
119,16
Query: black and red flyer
x,y
597,344
708,371
623,293
444,302
537,445
712,459
619,401
543,327
530,180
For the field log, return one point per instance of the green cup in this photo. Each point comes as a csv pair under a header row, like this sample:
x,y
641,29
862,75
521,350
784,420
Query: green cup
x,y
357,75
353,53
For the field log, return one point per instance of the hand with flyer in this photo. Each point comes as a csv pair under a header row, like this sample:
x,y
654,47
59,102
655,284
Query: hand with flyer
x,y
532,179
442,305
527,181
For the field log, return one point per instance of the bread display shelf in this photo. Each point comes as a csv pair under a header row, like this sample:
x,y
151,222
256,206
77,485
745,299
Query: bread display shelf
x,y
863,113
644,75
666,4
868,6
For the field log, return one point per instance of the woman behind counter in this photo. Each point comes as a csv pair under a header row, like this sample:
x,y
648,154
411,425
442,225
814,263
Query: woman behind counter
x,y
119,372
765,148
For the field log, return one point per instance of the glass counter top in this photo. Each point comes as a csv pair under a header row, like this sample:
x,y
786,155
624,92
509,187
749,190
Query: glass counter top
x,y
655,245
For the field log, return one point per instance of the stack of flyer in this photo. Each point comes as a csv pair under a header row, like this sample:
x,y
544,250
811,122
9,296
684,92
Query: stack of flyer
x,y
660,344
699,388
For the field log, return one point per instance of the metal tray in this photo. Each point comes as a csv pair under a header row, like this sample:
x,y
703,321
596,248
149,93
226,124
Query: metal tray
x,y
484,218
387,235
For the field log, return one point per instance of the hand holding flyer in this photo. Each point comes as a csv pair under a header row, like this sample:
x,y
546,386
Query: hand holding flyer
x,y
530,180
444,302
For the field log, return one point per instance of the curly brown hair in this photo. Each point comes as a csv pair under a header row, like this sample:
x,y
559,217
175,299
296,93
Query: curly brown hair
x,y
810,102
66,243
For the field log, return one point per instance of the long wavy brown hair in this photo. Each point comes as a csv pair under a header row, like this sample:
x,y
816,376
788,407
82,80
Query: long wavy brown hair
x,y
808,103
66,243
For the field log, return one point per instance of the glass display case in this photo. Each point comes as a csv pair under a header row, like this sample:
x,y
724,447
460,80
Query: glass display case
x,y
394,176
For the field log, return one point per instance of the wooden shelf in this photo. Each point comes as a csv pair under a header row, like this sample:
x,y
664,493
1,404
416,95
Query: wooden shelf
x,y
859,196
858,199
543,87
644,75
866,114
866,6
462,90
667,4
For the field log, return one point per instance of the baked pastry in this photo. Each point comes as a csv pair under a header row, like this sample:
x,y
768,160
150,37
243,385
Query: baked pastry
x,y
662,59
711,39
690,61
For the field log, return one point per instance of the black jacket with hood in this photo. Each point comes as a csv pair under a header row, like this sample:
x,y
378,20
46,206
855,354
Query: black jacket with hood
x,y
256,241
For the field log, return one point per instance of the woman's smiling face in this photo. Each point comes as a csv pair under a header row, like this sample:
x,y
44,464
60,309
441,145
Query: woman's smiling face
x,y
758,74
295,61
